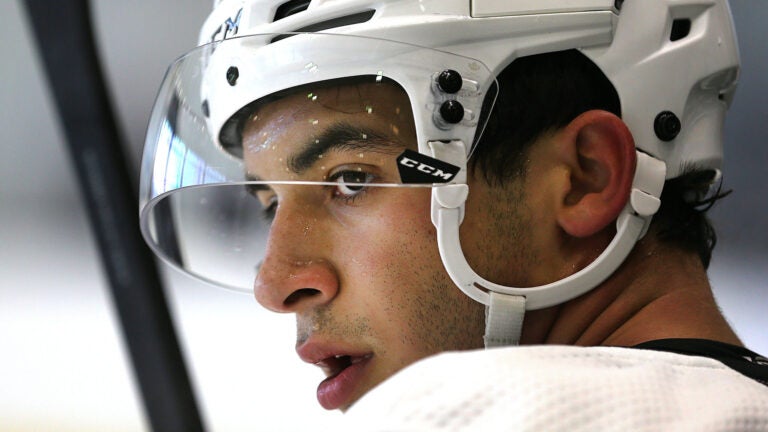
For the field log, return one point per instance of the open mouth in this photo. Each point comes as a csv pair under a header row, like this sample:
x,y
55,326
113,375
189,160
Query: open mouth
x,y
334,365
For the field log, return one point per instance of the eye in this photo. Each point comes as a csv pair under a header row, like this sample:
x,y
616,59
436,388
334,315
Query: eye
x,y
268,211
266,198
351,183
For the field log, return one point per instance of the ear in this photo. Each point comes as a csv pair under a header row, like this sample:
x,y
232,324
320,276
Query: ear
x,y
599,152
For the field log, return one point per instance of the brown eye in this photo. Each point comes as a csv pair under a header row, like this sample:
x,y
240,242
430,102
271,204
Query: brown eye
x,y
351,183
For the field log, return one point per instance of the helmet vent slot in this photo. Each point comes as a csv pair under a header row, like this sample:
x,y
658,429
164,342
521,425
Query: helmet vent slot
x,y
291,7
356,18
680,29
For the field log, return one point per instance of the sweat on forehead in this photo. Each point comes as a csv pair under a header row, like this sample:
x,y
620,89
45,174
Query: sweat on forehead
x,y
297,129
343,96
363,94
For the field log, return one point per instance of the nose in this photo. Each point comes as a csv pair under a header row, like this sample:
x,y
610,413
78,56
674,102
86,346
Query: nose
x,y
294,275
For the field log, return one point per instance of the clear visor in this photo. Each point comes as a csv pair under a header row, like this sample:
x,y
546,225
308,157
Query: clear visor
x,y
281,146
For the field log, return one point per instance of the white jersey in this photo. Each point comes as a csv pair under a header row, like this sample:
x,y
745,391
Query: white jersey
x,y
564,388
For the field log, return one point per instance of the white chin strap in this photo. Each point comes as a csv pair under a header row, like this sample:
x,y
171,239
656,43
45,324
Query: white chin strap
x,y
506,306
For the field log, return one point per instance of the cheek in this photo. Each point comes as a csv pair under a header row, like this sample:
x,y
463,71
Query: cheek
x,y
393,242
497,234
399,282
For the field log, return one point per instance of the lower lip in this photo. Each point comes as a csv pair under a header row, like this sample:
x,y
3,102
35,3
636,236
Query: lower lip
x,y
336,391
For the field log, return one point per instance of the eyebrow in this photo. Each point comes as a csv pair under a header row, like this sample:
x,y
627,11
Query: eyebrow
x,y
341,136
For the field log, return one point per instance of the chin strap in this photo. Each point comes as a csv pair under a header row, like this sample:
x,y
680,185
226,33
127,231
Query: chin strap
x,y
506,306
503,320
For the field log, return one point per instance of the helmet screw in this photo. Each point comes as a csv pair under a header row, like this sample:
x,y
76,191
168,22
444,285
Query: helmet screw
x,y
449,81
452,111
667,126
232,75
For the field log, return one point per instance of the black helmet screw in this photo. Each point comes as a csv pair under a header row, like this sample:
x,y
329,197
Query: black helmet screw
x,y
452,111
449,81
667,126
232,75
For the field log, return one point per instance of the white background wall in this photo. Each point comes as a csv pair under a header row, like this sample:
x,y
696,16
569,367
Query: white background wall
x,y
62,363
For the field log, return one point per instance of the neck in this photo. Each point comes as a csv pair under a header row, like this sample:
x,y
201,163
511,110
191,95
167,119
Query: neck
x,y
659,292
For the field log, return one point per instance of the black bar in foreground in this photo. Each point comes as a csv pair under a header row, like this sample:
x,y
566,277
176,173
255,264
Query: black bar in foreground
x,y
65,40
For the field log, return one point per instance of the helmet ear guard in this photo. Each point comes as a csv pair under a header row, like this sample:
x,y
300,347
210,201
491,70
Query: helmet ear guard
x,y
506,306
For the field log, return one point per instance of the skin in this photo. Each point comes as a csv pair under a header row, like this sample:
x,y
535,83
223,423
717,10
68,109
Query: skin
x,y
364,277
358,279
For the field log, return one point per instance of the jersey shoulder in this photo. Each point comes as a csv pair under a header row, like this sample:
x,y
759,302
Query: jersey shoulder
x,y
566,388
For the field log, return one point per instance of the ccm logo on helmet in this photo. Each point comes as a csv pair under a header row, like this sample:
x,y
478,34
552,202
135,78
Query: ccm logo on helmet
x,y
415,167
229,28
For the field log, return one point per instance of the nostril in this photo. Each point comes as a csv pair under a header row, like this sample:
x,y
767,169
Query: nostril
x,y
285,285
300,294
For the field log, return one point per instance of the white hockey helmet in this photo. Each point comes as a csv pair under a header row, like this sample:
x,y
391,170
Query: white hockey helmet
x,y
673,63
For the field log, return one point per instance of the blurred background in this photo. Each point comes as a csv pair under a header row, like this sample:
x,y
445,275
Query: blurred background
x,y
63,365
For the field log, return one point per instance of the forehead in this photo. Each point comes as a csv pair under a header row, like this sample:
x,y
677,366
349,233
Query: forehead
x,y
285,125
346,97
367,102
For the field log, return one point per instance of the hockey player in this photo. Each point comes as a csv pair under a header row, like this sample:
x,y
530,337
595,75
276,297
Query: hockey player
x,y
411,178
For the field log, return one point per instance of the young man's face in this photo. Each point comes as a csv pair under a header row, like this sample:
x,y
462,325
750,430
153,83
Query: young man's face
x,y
359,266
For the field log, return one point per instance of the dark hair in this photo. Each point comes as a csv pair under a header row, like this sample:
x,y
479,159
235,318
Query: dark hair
x,y
682,218
545,92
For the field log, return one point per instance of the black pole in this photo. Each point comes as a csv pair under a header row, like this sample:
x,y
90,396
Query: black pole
x,y
65,41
